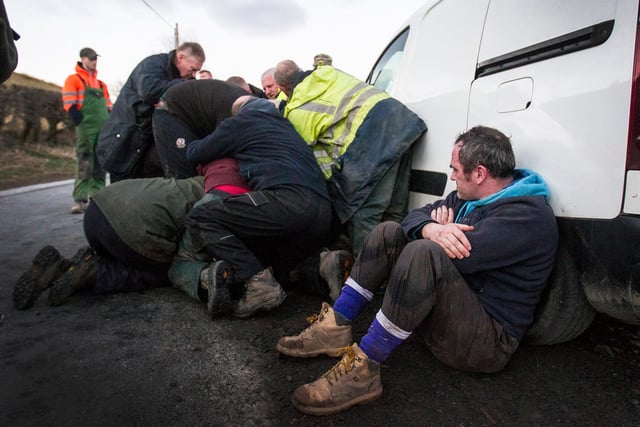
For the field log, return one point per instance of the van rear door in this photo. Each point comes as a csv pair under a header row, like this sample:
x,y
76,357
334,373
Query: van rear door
x,y
556,77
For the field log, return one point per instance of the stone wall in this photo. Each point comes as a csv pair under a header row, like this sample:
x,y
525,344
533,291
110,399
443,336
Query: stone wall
x,y
33,115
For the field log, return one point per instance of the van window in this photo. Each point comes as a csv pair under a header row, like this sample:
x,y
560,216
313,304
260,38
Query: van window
x,y
383,73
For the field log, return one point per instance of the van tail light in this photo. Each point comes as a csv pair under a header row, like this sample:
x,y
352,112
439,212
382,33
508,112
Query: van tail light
x,y
633,147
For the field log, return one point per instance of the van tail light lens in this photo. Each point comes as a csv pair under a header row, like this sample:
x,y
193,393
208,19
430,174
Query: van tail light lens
x,y
633,147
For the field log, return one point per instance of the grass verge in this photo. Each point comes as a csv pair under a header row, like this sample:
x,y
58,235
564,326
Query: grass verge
x,y
35,165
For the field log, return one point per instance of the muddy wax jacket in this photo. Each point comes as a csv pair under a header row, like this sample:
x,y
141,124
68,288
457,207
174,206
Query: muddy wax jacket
x,y
127,132
357,132
514,242
148,214
268,149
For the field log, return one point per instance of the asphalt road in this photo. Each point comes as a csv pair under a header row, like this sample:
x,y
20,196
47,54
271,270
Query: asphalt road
x,y
154,358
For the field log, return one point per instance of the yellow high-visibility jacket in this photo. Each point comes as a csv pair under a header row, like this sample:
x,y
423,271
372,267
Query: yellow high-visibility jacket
x,y
327,108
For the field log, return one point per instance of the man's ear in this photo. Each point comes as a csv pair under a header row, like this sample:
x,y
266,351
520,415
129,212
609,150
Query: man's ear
x,y
480,174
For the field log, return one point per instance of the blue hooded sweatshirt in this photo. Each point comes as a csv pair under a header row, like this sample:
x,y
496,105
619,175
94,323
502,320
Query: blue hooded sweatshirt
x,y
514,242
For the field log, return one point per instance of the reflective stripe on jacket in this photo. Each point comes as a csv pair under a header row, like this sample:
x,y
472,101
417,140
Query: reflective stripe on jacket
x,y
327,108
73,91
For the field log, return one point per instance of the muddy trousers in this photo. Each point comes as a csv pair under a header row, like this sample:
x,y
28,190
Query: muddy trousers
x,y
426,294
387,202
275,227
120,268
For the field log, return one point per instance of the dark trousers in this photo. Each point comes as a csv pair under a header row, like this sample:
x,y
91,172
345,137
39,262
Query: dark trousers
x,y
426,293
120,268
280,226
172,136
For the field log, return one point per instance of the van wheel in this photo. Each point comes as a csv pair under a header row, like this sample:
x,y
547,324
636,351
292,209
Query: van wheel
x,y
564,312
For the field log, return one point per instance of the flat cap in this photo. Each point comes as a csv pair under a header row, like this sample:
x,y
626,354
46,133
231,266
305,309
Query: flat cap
x,y
87,52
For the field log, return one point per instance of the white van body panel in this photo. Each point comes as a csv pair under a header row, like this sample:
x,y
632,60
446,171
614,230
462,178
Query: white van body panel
x,y
585,171
424,80
542,110
513,24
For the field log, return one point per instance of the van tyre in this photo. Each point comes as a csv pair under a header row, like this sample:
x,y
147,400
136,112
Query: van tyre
x,y
564,312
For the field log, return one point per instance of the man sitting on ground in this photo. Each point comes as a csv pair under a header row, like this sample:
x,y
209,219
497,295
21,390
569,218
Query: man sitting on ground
x,y
465,272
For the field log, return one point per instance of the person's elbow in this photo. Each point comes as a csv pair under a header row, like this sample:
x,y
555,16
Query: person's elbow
x,y
150,89
193,152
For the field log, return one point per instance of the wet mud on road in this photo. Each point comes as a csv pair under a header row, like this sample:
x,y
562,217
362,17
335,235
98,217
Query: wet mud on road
x,y
154,358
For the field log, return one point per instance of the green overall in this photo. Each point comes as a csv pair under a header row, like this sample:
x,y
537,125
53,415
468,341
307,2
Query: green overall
x,y
89,174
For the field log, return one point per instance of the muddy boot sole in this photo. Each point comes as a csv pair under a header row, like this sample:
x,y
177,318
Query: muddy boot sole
x,y
81,274
46,267
219,289
270,303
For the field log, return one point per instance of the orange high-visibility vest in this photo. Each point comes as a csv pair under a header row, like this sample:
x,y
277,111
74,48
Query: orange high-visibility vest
x,y
74,88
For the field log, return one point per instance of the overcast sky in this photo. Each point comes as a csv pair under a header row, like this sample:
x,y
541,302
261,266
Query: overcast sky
x,y
240,37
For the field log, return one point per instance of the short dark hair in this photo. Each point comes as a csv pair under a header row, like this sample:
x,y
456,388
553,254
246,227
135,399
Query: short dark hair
x,y
240,82
285,73
488,147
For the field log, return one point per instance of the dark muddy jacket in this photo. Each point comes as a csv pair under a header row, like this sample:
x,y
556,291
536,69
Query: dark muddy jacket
x,y
268,149
127,133
148,214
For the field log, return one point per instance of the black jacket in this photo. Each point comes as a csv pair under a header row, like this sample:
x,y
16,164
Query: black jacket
x,y
203,104
269,150
127,133
8,51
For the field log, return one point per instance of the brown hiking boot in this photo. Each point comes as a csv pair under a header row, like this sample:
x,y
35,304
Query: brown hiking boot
x,y
78,207
335,267
322,336
354,380
47,266
217,278
261,292
81,274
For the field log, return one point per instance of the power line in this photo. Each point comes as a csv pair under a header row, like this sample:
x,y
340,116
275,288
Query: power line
x,y
154,11
175,29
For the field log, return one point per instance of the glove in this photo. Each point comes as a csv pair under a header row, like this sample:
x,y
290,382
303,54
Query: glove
x,y
76,116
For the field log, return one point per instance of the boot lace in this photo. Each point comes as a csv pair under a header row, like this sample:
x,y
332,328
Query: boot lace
x,y
315,318
345,365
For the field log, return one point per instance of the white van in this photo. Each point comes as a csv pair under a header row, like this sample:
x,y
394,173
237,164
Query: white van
x,y
560,78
